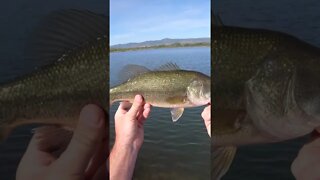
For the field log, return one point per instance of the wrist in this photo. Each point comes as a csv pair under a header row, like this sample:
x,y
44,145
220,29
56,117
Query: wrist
x,y
123,146
122,161
132,143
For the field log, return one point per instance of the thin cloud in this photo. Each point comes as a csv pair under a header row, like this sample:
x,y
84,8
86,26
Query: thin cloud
x,y
154,21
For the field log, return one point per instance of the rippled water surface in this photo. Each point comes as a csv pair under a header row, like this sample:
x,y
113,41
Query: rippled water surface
x,y
171,150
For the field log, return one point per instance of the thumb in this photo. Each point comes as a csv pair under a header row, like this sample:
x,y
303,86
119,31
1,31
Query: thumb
x,y
87,137
136,106
206,115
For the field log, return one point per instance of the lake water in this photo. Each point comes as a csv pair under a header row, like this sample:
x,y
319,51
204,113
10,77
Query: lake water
x,y
299,18
178,150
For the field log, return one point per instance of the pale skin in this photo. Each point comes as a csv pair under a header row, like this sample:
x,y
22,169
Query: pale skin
x,y
306,166
206,115
84,157
129,138
130,134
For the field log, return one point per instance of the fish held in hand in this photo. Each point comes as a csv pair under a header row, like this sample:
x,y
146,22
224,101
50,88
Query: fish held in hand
x,y
166,87
71,49
266,89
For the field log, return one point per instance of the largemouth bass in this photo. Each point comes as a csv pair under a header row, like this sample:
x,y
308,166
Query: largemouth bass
x,y
265,89
167,87
74,45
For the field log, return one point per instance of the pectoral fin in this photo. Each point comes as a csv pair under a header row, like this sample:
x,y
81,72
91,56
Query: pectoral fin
x,y
176,113
222,158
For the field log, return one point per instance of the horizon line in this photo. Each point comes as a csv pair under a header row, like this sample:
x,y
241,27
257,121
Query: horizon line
x,y
156,40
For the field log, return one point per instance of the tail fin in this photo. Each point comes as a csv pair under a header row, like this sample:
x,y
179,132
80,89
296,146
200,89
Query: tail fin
x,y
222,158
111,101
111,96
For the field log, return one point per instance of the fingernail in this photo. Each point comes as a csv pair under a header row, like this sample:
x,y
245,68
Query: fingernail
x,y
138,98
92,115
147,106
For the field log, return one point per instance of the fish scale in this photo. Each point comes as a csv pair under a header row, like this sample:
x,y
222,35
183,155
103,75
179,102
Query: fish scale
x,y
265,89
54,88
72,75
166,88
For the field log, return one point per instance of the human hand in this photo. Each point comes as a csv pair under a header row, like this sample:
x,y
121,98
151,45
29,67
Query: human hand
x,y
307,164
206,115
129,138
129,123
84,157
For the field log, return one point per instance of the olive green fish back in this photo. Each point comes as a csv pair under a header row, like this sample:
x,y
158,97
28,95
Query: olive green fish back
x,y
74,48
236,55
57,91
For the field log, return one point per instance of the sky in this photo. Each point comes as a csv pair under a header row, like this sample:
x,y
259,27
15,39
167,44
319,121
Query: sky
x,y
143,20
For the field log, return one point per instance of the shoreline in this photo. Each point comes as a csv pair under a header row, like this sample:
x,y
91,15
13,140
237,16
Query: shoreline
x,y
160,47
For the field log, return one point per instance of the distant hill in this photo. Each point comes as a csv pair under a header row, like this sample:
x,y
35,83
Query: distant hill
x,y
162,42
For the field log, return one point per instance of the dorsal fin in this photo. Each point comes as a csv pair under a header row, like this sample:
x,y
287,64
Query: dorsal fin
x,y
168,67
63,31
219,20
216,20
130,71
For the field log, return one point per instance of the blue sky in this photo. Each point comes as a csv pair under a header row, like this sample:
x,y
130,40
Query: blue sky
x,y
142,20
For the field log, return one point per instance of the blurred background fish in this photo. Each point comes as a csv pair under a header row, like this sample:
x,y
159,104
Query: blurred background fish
x,y
71,47
266,89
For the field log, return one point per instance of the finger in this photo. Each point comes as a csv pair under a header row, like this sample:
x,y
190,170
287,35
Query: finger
x,y
33,144
52,138
33,154
124,107
305,170
307,157
98,160
206,115
312,172
140,112
144,113
208,108
136,106
34,163
147,110
87,137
